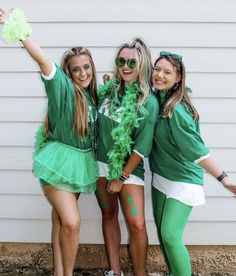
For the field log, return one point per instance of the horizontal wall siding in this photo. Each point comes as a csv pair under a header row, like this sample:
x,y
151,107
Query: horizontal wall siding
x,y
32,109
37,207
204,36
204,85
207,60
20,158
167,34
25,183
197,233
127,11
25,133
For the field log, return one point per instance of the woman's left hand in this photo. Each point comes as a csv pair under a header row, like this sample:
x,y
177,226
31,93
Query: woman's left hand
x,y
229,185
3,16
115,186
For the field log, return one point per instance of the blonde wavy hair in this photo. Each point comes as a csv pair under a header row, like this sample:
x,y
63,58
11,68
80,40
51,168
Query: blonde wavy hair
x,y
81,109
181,95
143,56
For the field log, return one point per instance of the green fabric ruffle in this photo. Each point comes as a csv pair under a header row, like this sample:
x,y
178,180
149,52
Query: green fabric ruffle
x,y
65,167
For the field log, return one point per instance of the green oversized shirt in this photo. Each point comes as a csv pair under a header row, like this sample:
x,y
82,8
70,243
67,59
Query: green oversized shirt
x,y
177,144
141,136
61,107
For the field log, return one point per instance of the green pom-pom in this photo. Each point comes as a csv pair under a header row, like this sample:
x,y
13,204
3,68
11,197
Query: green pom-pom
x,y
16,27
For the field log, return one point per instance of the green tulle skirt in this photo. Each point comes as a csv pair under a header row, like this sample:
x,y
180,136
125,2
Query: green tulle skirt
x,y
65,167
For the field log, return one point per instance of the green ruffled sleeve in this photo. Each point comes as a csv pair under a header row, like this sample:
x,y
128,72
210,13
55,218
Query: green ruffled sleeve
x,y
143,135
185,132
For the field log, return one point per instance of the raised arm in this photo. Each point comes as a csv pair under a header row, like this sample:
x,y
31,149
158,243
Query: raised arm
x,y
38,55
16,33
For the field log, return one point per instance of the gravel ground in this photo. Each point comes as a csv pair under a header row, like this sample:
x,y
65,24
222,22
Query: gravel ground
x,y
100,273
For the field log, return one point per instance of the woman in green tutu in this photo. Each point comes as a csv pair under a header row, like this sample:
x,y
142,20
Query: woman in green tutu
x,y
127,115
64,159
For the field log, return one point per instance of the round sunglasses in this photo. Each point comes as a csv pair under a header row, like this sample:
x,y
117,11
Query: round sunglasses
x,y
131,62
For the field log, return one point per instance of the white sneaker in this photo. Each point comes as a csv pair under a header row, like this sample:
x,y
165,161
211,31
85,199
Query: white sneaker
x,y
112,273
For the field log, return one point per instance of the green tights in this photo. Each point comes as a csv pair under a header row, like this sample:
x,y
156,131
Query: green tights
x,y
171,217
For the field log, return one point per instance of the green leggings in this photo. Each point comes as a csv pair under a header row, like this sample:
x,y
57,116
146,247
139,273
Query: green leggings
x,y
171,217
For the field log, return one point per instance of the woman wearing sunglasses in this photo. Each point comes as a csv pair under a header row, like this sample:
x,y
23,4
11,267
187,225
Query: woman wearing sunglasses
x,y
127,116
177,161
64,159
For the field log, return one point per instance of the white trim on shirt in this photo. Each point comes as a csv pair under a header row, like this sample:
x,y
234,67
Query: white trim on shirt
x,y
188,193
202,158
52,74
140,154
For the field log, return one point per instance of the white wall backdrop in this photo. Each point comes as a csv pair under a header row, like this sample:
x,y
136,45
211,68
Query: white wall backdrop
x,y
203,32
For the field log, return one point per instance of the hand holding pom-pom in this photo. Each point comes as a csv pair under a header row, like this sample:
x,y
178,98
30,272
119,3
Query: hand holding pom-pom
x,y
16,27
3,16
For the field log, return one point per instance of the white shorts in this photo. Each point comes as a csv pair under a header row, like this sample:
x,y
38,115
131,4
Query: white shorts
x,y
133,179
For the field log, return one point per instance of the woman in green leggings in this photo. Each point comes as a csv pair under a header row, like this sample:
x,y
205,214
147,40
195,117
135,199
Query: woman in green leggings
x,y
177,161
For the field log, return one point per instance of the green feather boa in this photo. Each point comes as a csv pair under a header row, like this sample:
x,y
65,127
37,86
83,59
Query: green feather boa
x,y
121,134
41,138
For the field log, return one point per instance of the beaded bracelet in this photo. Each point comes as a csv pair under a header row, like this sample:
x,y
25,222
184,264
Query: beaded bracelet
x,y
123,176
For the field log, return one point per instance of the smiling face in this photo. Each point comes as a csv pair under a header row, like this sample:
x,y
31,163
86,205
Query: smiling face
x,y
164,75
128,74
81,70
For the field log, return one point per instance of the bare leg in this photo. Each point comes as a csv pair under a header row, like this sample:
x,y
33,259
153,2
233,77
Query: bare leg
x,y
65,205
110,224
56,245
132,202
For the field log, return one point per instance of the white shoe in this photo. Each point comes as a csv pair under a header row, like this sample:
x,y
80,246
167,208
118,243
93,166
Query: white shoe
x,y
112,273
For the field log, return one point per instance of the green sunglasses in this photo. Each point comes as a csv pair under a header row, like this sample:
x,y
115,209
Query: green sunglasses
x,y
131,62
172,55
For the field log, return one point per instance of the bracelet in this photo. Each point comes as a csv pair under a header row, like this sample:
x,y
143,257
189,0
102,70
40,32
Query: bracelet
x,y
222,176
123,176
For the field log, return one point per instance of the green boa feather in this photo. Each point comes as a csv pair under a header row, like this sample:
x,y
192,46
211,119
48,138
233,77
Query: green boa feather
x,y
40,138
121,134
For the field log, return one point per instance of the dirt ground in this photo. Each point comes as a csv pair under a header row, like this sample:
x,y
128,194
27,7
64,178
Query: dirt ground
x,y
98,272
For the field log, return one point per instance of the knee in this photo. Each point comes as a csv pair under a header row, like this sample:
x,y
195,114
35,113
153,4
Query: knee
x,y
110,214
71,227
169,239
137,226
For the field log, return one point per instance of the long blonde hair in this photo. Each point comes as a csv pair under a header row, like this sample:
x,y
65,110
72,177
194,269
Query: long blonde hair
x,y
144,64
180,95
81,109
